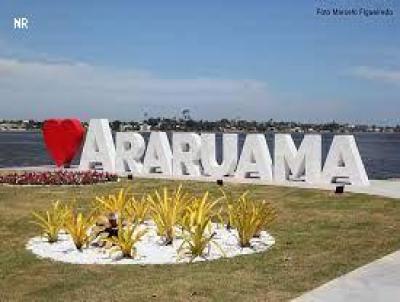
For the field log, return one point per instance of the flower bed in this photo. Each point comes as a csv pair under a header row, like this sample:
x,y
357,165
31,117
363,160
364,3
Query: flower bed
x,y
57,178
165,226
151,249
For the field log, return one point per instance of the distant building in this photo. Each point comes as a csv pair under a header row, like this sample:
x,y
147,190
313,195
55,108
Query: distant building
x,y
126,127
297,130
12,127
144,127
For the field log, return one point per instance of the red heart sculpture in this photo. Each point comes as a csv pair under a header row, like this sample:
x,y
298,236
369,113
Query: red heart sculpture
x,y
63,138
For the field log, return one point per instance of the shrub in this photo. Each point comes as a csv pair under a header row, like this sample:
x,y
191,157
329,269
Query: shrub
x,y
127,238
197,226
78,226
267,215
113,203
200,209
136,209
51,221
166,210
227,208
249,217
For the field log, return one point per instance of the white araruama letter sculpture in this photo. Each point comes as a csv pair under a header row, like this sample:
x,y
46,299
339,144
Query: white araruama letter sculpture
x,y
130,148
186,150
99,147
229,155
344,161
255,160
194,156
306,161
158,158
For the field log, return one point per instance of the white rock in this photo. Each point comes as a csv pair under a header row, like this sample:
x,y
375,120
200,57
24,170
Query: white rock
x,y
149,249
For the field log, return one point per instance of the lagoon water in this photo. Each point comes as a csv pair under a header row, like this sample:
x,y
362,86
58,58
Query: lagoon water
x,y
380,151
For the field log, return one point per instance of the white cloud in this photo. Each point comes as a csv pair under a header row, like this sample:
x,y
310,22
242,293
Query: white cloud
x,y
389,76
40,89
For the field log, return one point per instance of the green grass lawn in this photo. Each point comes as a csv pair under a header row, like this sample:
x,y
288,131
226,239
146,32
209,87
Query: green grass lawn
x,y
319,236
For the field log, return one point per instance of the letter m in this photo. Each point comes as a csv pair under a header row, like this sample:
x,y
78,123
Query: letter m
x,y
293,163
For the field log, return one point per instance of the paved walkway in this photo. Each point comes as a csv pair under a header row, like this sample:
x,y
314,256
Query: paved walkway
x,y
387,188
374,282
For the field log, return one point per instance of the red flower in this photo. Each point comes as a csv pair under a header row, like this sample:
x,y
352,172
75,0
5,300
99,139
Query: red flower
x,y
58,178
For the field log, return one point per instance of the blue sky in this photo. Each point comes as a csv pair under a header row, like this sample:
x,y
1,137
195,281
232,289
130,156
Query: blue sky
x,y
254,60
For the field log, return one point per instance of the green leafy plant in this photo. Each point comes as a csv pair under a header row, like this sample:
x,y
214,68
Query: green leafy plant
x,y
249,217
136,210
166,210
78,226
197,227
125,242
51,221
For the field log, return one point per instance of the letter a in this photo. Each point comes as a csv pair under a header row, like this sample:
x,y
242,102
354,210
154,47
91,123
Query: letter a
x,y
344,161
99,147
255,159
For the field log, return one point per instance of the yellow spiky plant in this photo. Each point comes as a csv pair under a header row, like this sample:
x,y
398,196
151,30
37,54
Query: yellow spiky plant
x,y
113,203
127,237
136,210
199,209
249,217
267,214
197,227
51,221
226,210
166,210
78,225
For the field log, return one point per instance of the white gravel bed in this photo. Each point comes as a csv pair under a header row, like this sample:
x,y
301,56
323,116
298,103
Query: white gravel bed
x,y
150,249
